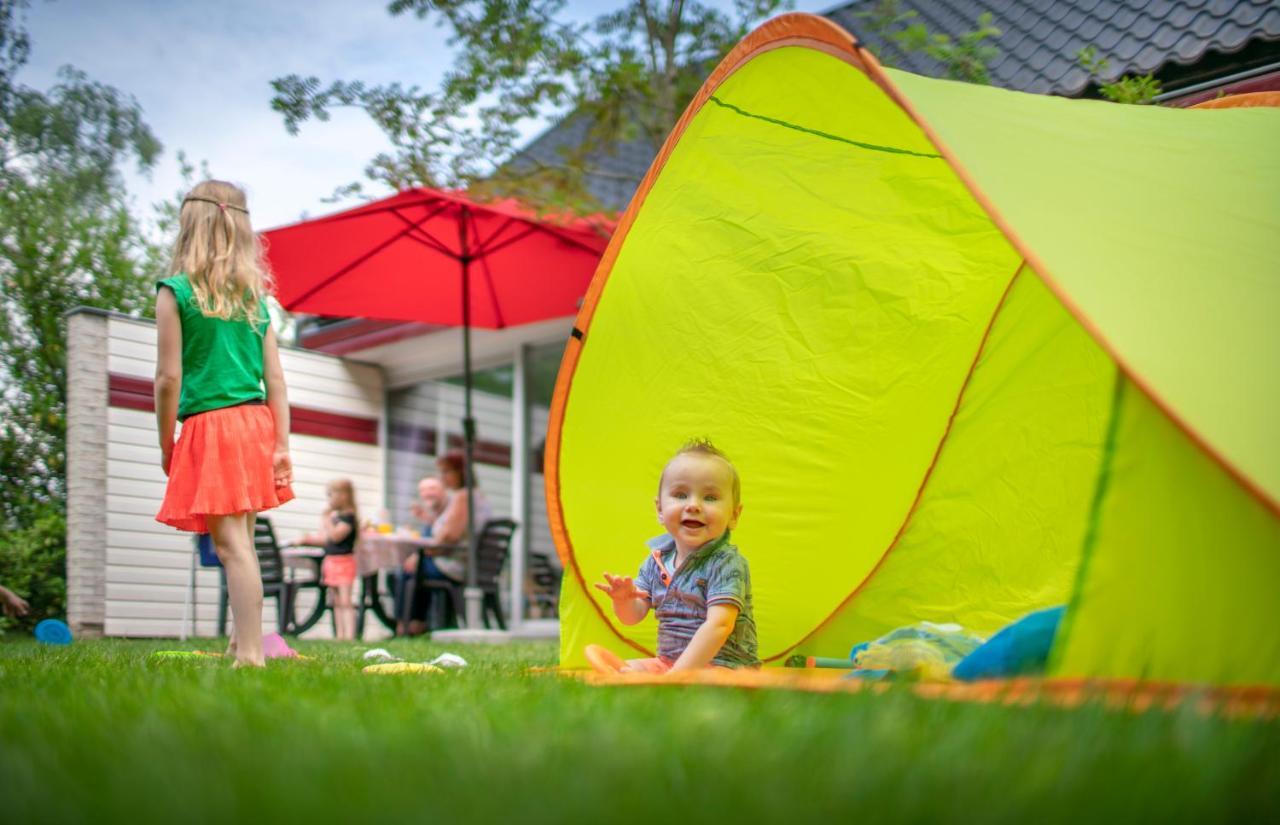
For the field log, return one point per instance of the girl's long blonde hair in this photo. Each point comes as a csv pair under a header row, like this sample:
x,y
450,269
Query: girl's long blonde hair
x,y
220,253
346,487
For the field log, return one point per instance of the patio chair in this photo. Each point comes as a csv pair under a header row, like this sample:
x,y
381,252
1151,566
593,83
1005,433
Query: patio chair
x,y
367,598
374,598
492,548
275,585
204,553
544,580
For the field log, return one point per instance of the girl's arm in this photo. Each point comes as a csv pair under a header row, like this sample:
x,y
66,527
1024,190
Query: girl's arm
x,y
168,385
13,604
278,402
337,530
706,643
330,531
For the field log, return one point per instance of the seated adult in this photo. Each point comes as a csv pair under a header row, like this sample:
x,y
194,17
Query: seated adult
x,y
432,498
430,504
449,530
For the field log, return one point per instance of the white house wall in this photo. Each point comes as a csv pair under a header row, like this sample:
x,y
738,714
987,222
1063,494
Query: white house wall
x,y
439,355
134,573
128,574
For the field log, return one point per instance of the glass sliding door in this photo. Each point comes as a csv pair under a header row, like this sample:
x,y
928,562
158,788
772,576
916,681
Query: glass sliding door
x,y
542,565
512,404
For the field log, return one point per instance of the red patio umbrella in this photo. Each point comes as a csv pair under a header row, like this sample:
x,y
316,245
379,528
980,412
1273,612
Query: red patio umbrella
x,y
438,257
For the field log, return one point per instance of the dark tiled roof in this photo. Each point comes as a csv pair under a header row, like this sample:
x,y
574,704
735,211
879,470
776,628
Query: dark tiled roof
x,y
612,175
1039,39
1037,46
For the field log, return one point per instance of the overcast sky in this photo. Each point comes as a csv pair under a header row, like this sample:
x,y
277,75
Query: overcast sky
x,y
201,72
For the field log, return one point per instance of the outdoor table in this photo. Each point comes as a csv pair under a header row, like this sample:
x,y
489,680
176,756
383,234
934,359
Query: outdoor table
x,y
377,552
293,558
300,556
386,552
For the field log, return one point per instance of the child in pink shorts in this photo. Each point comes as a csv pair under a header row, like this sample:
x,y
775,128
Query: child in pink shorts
x,y
338,537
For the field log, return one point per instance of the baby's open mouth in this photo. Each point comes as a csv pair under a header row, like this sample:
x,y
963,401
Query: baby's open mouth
x,y
693,523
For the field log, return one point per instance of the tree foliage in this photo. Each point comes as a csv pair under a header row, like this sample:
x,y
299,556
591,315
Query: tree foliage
x,y
630,72
1124,89
67,239
966,57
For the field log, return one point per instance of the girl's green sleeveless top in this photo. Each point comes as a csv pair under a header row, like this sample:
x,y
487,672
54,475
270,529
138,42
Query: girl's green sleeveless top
x,y
221,360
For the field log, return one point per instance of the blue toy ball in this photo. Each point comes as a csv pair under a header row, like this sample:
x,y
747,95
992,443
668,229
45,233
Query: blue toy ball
x,y
53,632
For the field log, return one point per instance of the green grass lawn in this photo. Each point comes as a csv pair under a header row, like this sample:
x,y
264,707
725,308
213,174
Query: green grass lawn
x,y
94,732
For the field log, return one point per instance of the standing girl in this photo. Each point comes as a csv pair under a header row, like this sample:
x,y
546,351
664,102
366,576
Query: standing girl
x,y
216,350
338,538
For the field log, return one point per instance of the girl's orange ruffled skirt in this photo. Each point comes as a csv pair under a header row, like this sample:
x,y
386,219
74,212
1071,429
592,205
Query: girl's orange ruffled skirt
x,y
221,465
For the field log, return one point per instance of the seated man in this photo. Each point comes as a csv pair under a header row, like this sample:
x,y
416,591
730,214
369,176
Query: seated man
x,y
432,500
448,530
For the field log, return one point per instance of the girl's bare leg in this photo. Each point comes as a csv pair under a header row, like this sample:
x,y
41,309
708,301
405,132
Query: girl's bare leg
x,y
344,612
244,585
231,644
231,637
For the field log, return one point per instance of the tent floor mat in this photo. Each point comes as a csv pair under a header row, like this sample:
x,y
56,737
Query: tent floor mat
x,y
1250,701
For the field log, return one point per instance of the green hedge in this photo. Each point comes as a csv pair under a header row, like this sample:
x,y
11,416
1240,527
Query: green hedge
x,y
33,565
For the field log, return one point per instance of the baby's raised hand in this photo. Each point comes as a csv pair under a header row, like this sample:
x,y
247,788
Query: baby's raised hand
x,y
621,588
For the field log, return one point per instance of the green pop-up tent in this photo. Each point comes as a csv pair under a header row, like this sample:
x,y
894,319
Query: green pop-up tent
x,y
974,353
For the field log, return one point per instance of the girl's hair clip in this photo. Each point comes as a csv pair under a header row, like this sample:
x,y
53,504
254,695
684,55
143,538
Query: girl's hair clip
x,y
223,206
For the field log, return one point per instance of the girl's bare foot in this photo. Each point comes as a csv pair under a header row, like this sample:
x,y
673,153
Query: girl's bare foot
x,y
239,663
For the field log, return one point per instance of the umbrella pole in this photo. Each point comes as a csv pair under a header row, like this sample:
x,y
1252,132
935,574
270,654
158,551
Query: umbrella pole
x,y
472,593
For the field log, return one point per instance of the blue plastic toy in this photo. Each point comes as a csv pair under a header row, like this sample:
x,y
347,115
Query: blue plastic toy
x,y
1019,649
53,632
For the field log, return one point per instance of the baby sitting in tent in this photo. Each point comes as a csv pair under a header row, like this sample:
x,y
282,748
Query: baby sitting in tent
x,y
695,580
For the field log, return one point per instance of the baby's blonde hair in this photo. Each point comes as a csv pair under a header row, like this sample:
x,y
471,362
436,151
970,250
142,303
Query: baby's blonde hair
x,y
703,446
220,253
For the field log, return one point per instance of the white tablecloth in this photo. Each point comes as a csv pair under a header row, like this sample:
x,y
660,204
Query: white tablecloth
x,y
385,551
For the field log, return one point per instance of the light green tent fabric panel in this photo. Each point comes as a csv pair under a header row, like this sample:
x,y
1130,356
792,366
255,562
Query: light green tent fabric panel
x,y
815,100
1182,579
809,303
1163,226
580,626
999,529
